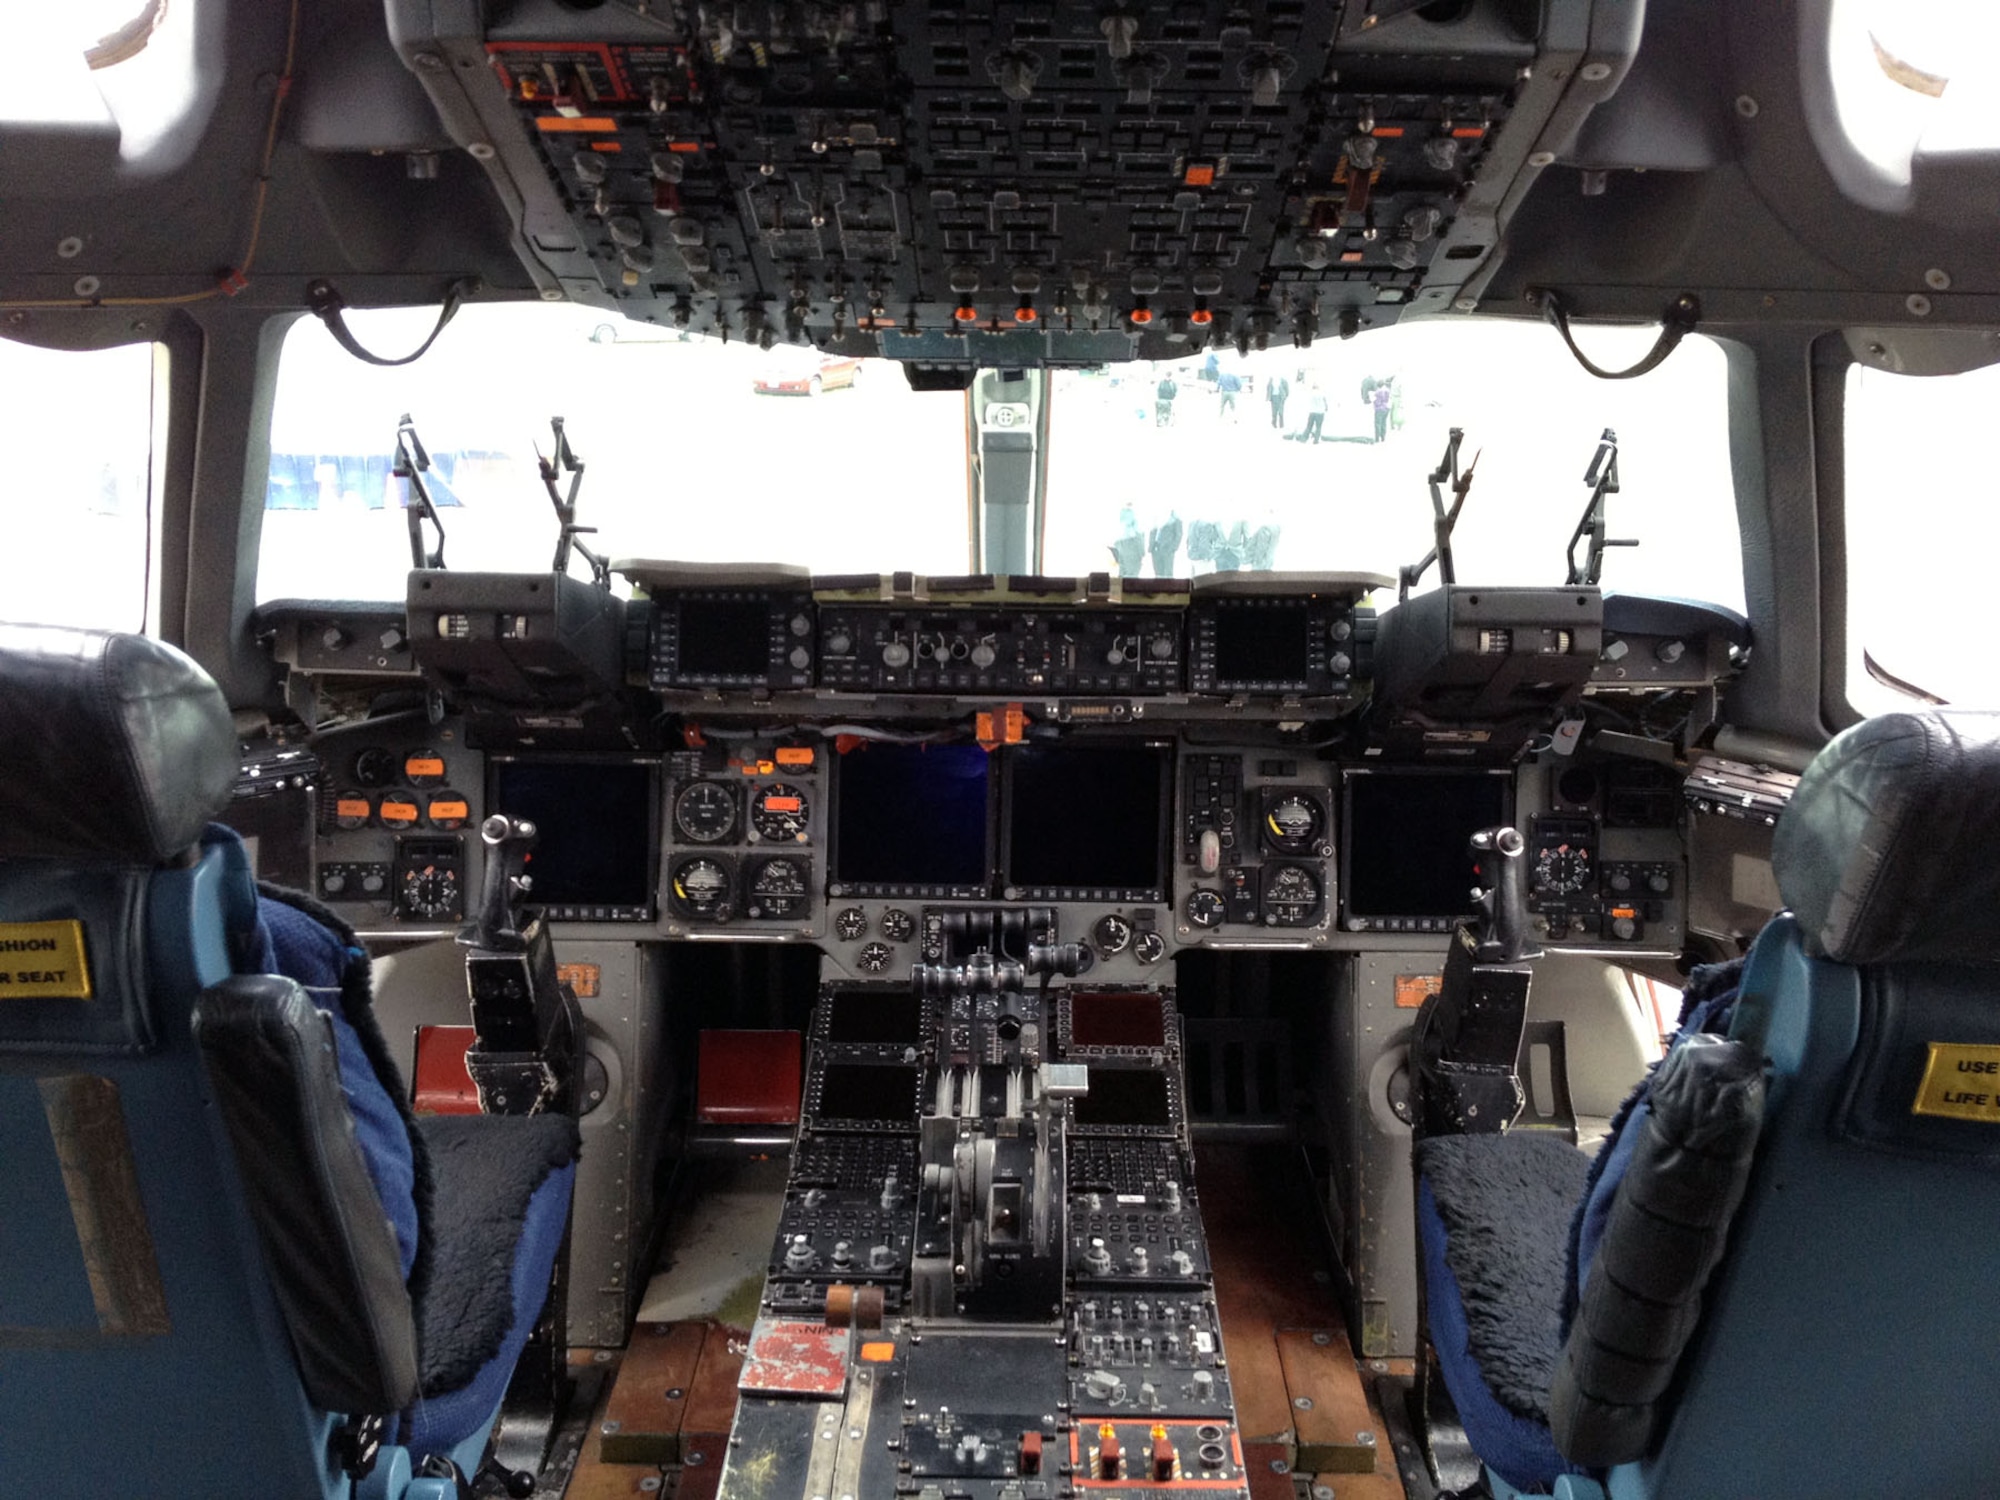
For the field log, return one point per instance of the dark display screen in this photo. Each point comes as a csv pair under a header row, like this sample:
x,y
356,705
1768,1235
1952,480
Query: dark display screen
x,y
1406,837
911,815
1125,1096
1086,818
725,638
875,1018
1116,1018
594,829
1269,643
879,1092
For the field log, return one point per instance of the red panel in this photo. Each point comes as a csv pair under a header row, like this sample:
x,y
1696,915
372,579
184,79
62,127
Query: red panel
x,y
749,1078
443,1085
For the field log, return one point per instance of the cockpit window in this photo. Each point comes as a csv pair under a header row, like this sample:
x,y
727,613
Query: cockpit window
x,y
79,433
1923,528
1318,460
694,450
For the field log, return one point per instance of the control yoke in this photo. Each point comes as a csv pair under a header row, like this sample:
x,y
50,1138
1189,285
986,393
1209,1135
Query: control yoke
x,y
1500,856
508,843
523,1060
1465,1047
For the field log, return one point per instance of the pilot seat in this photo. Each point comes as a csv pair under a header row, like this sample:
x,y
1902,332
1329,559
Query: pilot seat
x,y
1772,1278
232,1263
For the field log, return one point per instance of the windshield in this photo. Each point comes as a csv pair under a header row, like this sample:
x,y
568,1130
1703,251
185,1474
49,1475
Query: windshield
x,y
701,451
695,451
1317,460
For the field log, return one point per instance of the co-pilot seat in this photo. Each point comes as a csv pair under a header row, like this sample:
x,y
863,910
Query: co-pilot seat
x,y
1780,1276
231,1263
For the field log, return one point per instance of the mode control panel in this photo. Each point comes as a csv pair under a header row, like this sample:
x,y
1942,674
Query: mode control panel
x,y
998,651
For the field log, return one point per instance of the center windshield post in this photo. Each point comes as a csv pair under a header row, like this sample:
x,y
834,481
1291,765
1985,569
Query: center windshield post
x,y
412,463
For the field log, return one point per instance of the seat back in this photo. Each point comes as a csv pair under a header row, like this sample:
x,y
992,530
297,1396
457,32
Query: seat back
x,y
1844,1348
141,1347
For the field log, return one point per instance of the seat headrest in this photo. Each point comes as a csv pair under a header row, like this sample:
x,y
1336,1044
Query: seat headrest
x,y
112,747
1890,848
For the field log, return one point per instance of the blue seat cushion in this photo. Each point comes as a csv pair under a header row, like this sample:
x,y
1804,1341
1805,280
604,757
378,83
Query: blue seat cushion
x,y
1492,1215
497,1222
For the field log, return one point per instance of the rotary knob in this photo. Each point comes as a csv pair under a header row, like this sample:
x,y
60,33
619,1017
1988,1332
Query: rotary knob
x,y
1161,647
983,655
839,643
896,655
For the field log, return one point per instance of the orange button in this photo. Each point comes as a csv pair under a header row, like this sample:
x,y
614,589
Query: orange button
x,y
423,765
444,811
1200,176
399,812
795,755
878,1354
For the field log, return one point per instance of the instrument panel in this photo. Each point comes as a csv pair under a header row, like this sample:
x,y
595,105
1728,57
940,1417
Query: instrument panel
x,y
850,763
1227,847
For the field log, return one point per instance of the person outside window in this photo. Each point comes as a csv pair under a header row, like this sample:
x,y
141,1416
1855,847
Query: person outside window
x,y
1315,414
1381,397
1229,385
1163,401
1276,393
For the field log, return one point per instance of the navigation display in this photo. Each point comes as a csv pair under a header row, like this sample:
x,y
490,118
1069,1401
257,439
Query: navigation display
x,y
594,856
1404,841
912,820
1086,822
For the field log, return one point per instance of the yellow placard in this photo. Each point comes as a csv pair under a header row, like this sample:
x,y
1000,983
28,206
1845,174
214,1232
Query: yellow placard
x,y
43,961
1961,1082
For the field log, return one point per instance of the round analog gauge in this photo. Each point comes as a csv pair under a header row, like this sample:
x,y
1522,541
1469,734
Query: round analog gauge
x,y
430,892
850,924
778,813
778,889
1562,869
447,810
1293,823
1149,947
701,888
898,926
399,812
1113,934
705,812
424,768
374,766
1205,908
874,958
1291,896
352,810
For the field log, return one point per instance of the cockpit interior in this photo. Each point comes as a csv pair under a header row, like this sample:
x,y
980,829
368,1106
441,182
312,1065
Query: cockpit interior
x,y
1067,750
